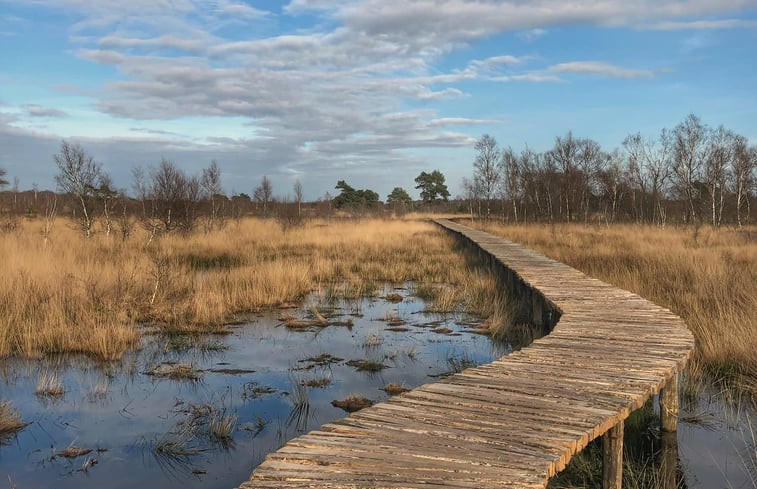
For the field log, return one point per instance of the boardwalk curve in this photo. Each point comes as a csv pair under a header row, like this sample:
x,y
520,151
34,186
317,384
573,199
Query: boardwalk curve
x,y
516,421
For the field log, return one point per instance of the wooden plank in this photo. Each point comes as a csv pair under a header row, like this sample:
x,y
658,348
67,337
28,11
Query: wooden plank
x,y
518,420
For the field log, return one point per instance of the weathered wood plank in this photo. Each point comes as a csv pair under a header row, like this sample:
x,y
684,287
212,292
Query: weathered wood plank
x,y
518,420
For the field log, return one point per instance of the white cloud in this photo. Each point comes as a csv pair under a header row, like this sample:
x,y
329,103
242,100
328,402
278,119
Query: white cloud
x,y
702,24
459,121
531,35
241,9
496,61
159,132
425,94
162,42
34,110
447,21
535,78
599,68
329,95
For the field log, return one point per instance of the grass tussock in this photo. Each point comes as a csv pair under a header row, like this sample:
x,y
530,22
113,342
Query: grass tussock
x,y
299,395
459,363
394,298
178,443
352,403
320,360
367,365
10,421
175,371
372,341
221,426
49,385
199,424
316,320
318,383
72,451
705,275
72,294
395,389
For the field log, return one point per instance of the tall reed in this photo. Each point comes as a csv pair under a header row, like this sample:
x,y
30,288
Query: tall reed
x,y
61,292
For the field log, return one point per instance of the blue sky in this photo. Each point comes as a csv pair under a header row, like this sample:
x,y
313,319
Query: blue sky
x,y
371,91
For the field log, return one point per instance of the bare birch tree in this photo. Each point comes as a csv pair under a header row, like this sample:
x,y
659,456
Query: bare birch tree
x,y
511,179
689,147
649,166
211,190
743,168
298,194
719,157
590,160
486,169
563,157
611,183
263,194
78,176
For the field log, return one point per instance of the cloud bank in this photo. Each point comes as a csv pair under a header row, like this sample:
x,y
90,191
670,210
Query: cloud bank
x,y
353,89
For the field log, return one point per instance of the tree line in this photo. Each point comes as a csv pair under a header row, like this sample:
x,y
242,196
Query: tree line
x,y
165,198
692,173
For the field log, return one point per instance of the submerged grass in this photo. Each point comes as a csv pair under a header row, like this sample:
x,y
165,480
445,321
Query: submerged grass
x,y
318,383
221,426
71,294
49,385
367,365
705,275
199,424
179,371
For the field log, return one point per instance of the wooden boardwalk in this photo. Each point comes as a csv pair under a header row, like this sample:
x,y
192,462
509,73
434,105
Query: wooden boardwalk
x,y
516,421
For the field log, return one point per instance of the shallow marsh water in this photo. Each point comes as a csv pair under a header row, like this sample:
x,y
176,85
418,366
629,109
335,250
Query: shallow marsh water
x,y
122,413
717,444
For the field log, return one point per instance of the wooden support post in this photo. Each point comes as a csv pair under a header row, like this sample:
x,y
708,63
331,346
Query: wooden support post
x,y
612,461
669,461
669,406
524,312
537,312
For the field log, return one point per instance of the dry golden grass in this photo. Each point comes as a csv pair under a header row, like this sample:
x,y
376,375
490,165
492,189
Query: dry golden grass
x,y
707,276
395,389
10,421
352,403
49,385
72,294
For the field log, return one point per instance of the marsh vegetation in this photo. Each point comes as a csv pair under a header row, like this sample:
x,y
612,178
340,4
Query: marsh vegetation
x,y
202,410
63,293
10,422
209,339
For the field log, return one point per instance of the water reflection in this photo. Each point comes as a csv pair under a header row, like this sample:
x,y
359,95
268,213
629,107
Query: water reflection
x,y
716,442
155,418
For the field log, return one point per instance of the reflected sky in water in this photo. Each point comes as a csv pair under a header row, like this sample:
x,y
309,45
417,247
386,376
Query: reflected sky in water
x,y
124,412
